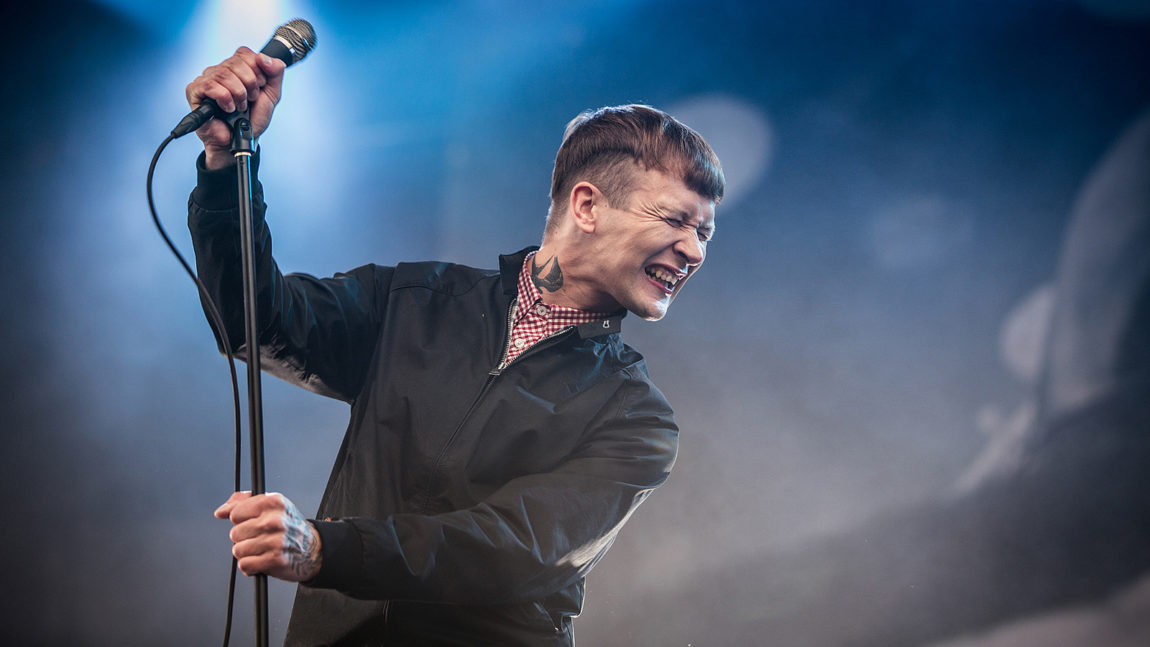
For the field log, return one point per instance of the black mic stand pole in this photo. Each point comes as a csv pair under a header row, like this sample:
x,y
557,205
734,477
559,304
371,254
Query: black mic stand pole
x,y
243,146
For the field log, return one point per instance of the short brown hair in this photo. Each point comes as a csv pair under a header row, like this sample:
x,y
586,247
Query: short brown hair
x,y
604,147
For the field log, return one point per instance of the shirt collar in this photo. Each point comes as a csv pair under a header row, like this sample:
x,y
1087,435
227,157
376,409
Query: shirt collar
x,y
529,296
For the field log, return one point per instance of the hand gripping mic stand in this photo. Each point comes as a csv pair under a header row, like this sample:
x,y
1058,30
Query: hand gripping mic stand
x,y
243,145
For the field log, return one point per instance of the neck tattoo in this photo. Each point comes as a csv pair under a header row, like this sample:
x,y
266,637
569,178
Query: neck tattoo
x,y
554,278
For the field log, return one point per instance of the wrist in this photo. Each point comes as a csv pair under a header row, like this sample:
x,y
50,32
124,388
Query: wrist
x,y
314,553
215,158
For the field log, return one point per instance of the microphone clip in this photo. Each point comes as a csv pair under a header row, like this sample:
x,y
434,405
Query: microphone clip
x,y
243,139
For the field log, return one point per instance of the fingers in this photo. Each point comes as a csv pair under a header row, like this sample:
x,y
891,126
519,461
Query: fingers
x,y
238,81
260,554
257,533
253,521
243,506
231,84
242,76
256,546
265,563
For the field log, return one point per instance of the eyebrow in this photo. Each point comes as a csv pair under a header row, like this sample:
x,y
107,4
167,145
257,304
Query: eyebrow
x,y
665,210
671,211
686,217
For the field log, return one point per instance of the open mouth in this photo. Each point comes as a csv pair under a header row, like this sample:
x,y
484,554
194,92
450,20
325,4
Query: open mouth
x,y
664,277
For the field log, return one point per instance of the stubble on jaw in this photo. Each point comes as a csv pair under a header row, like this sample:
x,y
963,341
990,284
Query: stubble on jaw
x,y
551,281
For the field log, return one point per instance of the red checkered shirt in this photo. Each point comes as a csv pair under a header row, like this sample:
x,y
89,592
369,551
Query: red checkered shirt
x,y
534,320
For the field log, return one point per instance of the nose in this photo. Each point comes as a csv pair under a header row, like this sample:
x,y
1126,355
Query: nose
x,y
691,248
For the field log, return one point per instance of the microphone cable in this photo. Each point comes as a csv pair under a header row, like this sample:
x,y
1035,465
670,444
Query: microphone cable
x,y
217,323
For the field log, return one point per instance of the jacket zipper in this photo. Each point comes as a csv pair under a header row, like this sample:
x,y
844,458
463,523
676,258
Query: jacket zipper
x,y
506,336
537,346
491,376
499,368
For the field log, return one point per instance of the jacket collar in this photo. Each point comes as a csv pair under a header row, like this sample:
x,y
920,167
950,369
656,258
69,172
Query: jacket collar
x,y
509,267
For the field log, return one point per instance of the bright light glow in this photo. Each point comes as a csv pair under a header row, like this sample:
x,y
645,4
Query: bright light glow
x,y
1022,340
230,23
296,133
740,134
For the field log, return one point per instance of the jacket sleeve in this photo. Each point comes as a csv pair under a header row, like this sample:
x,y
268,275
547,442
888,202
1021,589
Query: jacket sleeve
x,y
532,537
318,333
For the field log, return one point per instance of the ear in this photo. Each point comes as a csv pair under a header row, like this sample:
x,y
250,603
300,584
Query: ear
x,y
584,197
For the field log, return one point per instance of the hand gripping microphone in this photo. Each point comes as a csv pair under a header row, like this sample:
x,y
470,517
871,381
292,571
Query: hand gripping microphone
x,y
290,43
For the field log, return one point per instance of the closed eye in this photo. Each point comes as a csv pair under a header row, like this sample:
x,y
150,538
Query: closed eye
x,y
704,233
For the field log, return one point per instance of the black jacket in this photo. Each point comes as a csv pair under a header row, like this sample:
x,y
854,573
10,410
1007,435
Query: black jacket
x,y
466,504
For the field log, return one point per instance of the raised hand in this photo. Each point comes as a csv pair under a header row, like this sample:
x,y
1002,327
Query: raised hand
x,y
244,81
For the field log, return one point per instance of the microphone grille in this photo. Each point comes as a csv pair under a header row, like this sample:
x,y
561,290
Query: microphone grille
x,y
299,36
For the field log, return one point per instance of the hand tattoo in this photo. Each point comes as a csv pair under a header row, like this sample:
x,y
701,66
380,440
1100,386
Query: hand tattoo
x,y
301,546
554,278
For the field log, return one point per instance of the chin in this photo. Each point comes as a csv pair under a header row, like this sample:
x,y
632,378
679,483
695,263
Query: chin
x,y
646,306
651,312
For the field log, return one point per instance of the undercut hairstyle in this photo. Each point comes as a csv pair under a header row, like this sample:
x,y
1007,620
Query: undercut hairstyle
x,y
607,147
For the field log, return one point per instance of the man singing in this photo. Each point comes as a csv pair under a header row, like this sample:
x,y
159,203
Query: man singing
x,y
501,432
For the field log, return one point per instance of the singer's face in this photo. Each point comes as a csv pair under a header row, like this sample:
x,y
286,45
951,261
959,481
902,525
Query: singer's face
x,y
653,243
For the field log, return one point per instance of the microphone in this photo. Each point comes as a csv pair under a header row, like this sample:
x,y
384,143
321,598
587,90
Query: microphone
x,y
290,43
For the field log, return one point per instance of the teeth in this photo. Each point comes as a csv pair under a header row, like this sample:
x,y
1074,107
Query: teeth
x,y
663,275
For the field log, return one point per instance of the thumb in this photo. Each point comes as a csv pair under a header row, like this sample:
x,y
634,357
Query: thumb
x,y
225,510
273,69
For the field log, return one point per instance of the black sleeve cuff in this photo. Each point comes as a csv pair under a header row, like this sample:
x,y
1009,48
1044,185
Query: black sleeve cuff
x,y
342,555
217,190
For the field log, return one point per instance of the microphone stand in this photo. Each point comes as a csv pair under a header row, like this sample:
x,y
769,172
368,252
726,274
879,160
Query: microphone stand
x,y
243,146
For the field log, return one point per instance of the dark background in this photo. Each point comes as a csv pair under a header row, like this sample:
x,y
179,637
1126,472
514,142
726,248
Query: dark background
x,y
848,371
